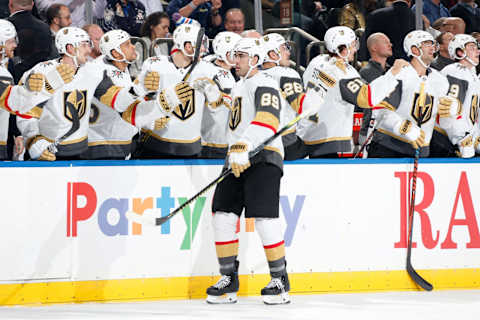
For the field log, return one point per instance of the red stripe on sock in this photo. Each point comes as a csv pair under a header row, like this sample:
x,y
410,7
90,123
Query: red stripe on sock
x,y
225,242
274,245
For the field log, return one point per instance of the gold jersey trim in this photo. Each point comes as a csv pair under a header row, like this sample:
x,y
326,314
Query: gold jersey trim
x,y
171,140
109,142
388,133
214,145
69,141
327,140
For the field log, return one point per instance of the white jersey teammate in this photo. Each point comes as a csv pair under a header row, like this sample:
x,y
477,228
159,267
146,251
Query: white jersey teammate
x,y
407,123
454,137
330,130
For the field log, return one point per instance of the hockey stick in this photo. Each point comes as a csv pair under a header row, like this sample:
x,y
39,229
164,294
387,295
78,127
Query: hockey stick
x,y
161,220
196,55
411,271
75,126
367,140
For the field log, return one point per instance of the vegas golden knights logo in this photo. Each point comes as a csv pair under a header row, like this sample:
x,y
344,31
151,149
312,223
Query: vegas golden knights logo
x,y
235,113
94,113
187,108
423,113
474,109
77,99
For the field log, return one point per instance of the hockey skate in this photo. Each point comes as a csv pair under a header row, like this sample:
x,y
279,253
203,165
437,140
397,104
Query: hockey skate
x,y
225,290
276,291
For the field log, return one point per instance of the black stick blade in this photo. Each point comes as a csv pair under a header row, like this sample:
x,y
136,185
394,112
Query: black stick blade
x,y
424,284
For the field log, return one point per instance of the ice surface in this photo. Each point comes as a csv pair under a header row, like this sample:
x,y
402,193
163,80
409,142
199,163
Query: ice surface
x,y
445,305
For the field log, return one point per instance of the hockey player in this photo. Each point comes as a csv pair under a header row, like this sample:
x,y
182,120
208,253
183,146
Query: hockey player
x,y
19,99
110,136
215,120
70,100
12,98
181,138
255,116
8,43
452,137
277,65
330,131
414,104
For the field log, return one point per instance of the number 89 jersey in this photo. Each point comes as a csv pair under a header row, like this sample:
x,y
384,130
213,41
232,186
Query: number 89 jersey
x,y
255,116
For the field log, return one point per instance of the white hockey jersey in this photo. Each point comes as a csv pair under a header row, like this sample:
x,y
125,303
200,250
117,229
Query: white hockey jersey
x,y
404,100
291,87
6,78
330,130
255,116
56,118
464,85
215,120
109,136
182,136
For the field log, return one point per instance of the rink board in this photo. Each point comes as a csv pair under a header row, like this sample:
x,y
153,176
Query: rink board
x,y
64,236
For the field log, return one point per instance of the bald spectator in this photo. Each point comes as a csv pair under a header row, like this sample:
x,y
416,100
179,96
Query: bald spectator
x,y
443,58
34,37
380,49
95,33
234,20
58,17
470,14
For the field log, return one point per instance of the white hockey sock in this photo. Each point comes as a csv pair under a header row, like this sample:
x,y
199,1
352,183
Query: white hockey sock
x,y
226,240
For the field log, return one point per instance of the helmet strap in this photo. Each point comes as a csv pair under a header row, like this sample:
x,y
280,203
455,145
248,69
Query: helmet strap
x,y
419,58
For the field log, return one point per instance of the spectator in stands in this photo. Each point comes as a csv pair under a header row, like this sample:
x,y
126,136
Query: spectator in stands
x,y
443,58
395,22
95,33
470,14
380,49
34,37
127,15
433,10
235,20
206,12
77,9
152,6
156,26
58,17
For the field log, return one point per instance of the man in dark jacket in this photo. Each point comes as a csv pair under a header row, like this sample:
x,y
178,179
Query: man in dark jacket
x,y
395,22
469,12
34,39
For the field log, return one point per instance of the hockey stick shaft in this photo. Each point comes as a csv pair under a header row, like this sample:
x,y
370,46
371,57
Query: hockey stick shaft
x,y
162,220
196,55
410,270
366,142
